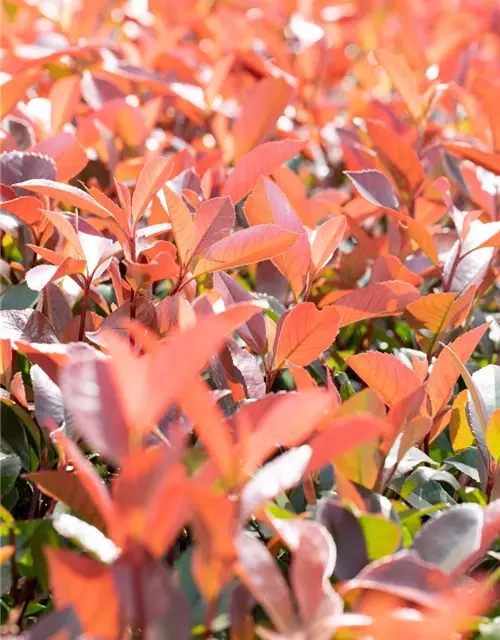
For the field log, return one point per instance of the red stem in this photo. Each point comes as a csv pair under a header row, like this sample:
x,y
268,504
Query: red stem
x,y
83,314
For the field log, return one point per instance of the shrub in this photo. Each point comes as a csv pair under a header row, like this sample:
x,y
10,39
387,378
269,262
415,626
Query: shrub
x,y
249,320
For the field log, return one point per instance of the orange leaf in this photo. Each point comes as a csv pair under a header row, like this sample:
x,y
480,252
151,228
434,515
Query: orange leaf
x,y
440,311
302,378
268,204
261,161
6,552
67,153
153,176
67,194
489,95
304,332
26,209
288,421
404,81
391,268
432,311
213,221
374,300
398,156
209,424
68,488
64,97
445,371
40,276
182,223
487,160
262,107
172,365
72,575
263,242
14,89
325,240
343,435
419,234
385,374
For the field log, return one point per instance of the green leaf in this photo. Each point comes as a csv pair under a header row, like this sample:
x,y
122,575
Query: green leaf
x,y
44,535
182,566
431,494
13,436
382,536
9,499
422,475
471,494
10,468
465,462
20,296
30,425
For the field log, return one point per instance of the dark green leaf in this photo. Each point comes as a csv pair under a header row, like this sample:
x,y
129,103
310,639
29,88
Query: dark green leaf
x,y
10,468
20,296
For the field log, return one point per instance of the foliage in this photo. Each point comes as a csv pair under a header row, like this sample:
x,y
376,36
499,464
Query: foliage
x,y
249,319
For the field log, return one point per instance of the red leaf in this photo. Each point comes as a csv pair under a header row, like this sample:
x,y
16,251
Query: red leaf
x,y
151,179
261,161
182,224
14,89
263,242
93,399
262,106
267,204
69,489
445,372
398,156
142,481
487,160
150,384
38,277
67,194
253,332
26,209
48,356
303,333
385,374
343,435
64,96
213,221
325,241
285,420
374,300
65,150
391,268
259,572
209,424
311,567
72,575
275,477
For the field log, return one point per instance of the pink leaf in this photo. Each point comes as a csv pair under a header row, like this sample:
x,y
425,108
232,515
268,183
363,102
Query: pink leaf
x,y
374,187
261,161
153,176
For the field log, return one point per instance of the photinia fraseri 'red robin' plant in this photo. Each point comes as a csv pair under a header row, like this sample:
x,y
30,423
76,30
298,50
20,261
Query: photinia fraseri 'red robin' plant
x,y
249,320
